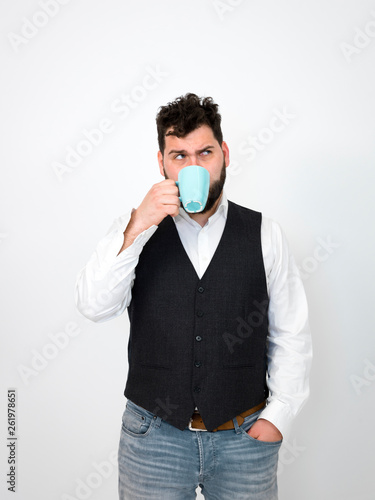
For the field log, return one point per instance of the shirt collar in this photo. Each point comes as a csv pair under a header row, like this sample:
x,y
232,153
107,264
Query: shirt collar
x,y
221,211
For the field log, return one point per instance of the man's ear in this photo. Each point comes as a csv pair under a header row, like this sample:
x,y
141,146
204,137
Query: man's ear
x,y
160,161
224,147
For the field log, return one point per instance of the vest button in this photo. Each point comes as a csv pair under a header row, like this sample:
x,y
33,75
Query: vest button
x,y
197,389
201,289
198,364
200,314
198,338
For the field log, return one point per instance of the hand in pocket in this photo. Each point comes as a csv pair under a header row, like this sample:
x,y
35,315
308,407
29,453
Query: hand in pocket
x,y
264,430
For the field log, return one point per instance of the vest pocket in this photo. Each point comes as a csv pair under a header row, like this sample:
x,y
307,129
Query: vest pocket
x,y
154,365
151,350
237,352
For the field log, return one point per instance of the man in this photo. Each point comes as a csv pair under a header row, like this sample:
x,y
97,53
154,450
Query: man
x,y
219,348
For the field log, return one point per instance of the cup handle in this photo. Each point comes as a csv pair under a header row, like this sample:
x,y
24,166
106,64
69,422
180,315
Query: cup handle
x,y
178,188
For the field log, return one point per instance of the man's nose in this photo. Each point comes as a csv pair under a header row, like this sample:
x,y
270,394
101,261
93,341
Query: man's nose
x,y
194,160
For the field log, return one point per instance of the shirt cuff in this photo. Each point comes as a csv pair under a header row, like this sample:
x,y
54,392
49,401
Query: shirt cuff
x,y
279,415
112,243
137,246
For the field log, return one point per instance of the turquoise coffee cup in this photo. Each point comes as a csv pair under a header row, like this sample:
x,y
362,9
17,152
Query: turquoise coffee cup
x,y
193,184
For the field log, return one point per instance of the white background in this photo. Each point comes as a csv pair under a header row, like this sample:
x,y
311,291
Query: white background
x,y
315,177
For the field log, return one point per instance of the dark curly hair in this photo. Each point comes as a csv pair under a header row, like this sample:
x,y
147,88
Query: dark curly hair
x,y
186,114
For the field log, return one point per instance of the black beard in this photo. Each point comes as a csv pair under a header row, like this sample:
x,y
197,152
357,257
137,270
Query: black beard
x,y
214,192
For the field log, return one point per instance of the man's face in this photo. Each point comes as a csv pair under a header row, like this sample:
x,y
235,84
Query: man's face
x,y
197,148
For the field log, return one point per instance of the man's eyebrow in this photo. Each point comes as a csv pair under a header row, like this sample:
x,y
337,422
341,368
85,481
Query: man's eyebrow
x,y
184,152
205,149
179,152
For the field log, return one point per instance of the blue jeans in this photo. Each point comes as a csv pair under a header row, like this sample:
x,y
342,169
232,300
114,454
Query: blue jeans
x,y
157,461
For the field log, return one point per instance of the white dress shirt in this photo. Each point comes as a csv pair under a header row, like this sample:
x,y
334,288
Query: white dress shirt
x,y
103,291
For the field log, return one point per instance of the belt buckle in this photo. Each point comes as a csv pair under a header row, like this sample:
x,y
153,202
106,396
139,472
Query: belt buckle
x,y
193,428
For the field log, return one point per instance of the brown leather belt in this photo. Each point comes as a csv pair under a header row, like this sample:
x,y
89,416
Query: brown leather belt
x,y
196,422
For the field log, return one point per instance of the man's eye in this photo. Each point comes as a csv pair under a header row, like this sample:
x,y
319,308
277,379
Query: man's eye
x,y
180,157
206,152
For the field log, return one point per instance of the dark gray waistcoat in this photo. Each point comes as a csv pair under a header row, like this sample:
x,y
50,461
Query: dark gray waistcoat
x,y
200,342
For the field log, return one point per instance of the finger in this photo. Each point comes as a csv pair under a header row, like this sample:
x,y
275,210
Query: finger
x,y
172,210
170,200
167,182
169,188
